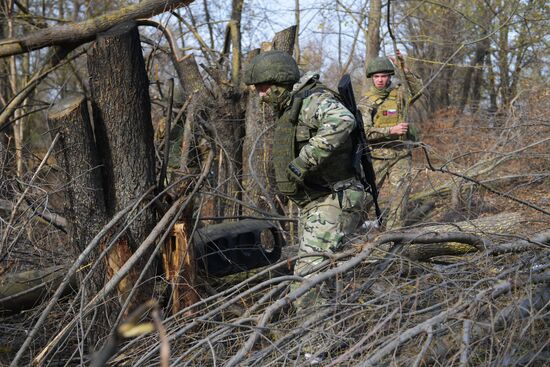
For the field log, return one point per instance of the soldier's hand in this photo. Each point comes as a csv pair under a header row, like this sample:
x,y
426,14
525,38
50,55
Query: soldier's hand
x,y
296,170
401,59
399,129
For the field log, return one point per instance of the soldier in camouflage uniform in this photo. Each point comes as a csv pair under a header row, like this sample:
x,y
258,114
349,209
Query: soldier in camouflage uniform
x,y
388,133
312,153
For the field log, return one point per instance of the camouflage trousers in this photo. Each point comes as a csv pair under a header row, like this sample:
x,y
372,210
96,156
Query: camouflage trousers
x,y
325,223
394,167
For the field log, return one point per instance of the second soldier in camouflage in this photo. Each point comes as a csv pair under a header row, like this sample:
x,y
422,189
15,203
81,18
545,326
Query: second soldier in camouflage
x,y
387,133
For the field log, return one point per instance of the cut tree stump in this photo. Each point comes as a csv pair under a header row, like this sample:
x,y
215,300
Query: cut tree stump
x,y
76,153
124,133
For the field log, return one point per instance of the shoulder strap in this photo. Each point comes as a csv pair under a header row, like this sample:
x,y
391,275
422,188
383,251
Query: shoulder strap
x,y
394,93
314,88
293,111
374,100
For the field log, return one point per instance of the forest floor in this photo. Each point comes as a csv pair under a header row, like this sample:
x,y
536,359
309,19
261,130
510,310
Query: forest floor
x,y
383,301
376,305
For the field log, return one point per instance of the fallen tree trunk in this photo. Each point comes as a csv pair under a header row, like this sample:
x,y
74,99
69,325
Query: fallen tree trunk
x,y
82,32
424,243
501,223
481,169
25,290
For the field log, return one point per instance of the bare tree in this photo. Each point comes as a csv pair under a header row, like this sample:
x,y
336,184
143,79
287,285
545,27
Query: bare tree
x,y
373,30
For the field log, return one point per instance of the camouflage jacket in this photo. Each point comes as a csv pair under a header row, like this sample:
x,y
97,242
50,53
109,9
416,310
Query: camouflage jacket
x,y
379,137
323,135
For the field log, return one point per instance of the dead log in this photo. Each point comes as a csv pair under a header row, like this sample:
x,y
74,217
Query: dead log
x,y
124,133
420,212
498,224
473,177
78,33
25,290
428,251
540,240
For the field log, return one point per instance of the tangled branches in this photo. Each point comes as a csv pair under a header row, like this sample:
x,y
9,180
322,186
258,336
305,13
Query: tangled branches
x,y
376,307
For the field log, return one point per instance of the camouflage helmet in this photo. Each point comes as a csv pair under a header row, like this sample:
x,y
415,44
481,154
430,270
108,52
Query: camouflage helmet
x,y
272,67
380,65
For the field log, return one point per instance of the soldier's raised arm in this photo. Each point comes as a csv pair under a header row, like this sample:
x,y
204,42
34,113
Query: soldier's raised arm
x,y
413,80
415,85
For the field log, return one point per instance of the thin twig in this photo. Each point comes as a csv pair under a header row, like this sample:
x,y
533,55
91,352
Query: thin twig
x,y
9,225
488,188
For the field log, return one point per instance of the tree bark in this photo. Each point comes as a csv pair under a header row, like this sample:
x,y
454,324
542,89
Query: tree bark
x,y
235,27
471,77
4,83
190,77
124,133
84,204
477,78
84,201
373,29
284,40
228,121
4,95
503,63
493,93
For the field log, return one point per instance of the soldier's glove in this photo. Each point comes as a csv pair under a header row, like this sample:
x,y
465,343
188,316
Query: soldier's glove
x,y
296,170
